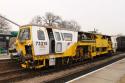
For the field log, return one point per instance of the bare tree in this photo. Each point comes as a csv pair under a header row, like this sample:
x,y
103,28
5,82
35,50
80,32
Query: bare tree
x,y
70,25
4,26
36,20
55,21
50,19
74,25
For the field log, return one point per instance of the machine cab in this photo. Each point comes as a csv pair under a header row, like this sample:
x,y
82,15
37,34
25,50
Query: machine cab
x,y
37,45
43,41
32,40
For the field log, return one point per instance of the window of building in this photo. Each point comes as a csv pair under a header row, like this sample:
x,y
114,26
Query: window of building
x,y
40,35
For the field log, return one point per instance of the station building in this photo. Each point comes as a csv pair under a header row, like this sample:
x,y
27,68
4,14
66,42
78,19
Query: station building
x,y
4,40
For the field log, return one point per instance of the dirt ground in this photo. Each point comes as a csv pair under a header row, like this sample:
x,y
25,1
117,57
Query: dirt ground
x,y
122,79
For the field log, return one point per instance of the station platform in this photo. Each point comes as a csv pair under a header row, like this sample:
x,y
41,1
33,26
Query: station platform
x,y
4,56
113,73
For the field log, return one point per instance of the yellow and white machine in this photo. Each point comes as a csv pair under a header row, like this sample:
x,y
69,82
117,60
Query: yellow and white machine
x,y
39,46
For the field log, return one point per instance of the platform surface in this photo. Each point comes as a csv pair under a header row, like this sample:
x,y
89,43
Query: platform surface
x,y
114,73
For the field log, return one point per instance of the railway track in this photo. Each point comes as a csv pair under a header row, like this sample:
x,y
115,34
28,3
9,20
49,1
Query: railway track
x,y
5,61
7,65
52,75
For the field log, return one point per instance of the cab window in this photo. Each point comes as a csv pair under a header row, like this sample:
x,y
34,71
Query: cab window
x,y
40,35
67,36
57,35
24,34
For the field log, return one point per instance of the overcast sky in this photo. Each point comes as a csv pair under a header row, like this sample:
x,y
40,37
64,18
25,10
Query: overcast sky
x,y
108,16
